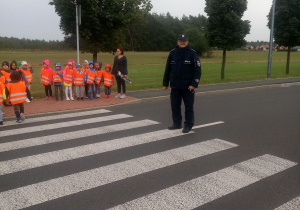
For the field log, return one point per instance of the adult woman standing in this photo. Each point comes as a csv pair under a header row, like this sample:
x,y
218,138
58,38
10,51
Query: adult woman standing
x,y
120,64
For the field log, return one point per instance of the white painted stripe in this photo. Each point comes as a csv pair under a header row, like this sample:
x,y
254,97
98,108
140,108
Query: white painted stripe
x,y
291,205
44,159
73,135
199,191
57,117
63,124
48,190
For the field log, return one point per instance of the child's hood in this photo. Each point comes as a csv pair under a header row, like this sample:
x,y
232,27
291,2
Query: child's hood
x,y
57,64
47,69
100,64
108,66
92,69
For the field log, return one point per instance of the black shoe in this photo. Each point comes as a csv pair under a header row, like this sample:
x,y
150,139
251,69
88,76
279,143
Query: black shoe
x,y
56,99
82,99
186,129
173,127
1,123
78,99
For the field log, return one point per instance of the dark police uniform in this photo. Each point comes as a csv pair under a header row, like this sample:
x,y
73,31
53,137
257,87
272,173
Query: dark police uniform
x,y
183,69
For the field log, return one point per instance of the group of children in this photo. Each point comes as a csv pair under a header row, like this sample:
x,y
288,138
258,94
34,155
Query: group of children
x,y
89,76
16,78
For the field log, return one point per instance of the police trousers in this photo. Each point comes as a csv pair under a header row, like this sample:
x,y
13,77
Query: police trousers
x,y
188,97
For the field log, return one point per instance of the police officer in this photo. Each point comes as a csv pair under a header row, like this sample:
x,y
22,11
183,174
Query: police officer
x,y
183,71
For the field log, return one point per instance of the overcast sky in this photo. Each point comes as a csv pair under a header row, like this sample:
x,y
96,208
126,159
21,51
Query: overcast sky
x,y
35,19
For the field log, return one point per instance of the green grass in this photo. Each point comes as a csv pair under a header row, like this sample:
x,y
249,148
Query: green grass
x,y
146,69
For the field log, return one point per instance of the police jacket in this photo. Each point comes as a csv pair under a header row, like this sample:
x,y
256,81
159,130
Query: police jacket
x,y
183,68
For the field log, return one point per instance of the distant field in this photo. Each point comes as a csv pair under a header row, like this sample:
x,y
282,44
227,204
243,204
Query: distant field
x,y
146,68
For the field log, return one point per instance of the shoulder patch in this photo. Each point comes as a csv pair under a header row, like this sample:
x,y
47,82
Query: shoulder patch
x,y
173,49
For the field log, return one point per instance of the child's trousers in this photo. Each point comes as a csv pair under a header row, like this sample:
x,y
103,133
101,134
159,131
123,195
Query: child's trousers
x,y
68,88
107,90
19,108
79,91
90,87
60,88
48,90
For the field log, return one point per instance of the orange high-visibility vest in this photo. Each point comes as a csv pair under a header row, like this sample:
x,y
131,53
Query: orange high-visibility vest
x,y
2,79
99,77
90,76
45,79
108,79
69,75
57,78
28,75
1,93
6,75
78,78
17,92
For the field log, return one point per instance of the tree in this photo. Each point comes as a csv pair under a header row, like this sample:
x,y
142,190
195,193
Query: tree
x,y
286,25
225,28
102,21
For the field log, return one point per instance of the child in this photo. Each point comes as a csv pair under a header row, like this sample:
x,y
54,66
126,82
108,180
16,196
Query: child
x,y
85,67
90,79
46,79
108,80
2,97
68,79
58,81
17,92
98,66
27,70
5,71
79,82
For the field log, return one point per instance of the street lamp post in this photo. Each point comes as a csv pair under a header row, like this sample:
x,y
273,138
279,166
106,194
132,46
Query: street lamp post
x,y
271,41
78,23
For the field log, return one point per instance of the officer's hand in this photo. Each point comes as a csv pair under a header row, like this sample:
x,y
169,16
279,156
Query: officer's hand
x,y
191,88
165,88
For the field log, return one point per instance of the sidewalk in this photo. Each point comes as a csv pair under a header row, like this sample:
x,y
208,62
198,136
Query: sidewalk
x,y
46,106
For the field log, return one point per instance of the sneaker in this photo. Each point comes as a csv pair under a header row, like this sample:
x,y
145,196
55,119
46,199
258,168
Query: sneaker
x,y
123,96
89,99
50,97
78,99
67,99
47,98
1,123
186,129
118,95
173,127
3,112
19,121
82,98
108,96
62,99
27,100
56,99
72,99
22,116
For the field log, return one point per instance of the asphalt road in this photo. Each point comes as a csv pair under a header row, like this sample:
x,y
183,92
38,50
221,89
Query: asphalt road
x,y
243,153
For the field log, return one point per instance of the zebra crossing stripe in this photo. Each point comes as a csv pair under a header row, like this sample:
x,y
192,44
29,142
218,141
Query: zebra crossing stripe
x,y
199,191
56,188
44,159
63,124
57,117
73,135
291,205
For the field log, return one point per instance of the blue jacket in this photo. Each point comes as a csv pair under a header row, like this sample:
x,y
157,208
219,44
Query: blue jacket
x,y
183,68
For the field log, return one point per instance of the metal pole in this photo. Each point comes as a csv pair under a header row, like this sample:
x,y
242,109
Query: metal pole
x,y
271,41
77,31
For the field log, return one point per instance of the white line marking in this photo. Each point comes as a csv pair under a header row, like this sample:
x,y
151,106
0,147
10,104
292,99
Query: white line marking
x,y
20,164
199,191
56,117
63,124
291,205
73,135
48,190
